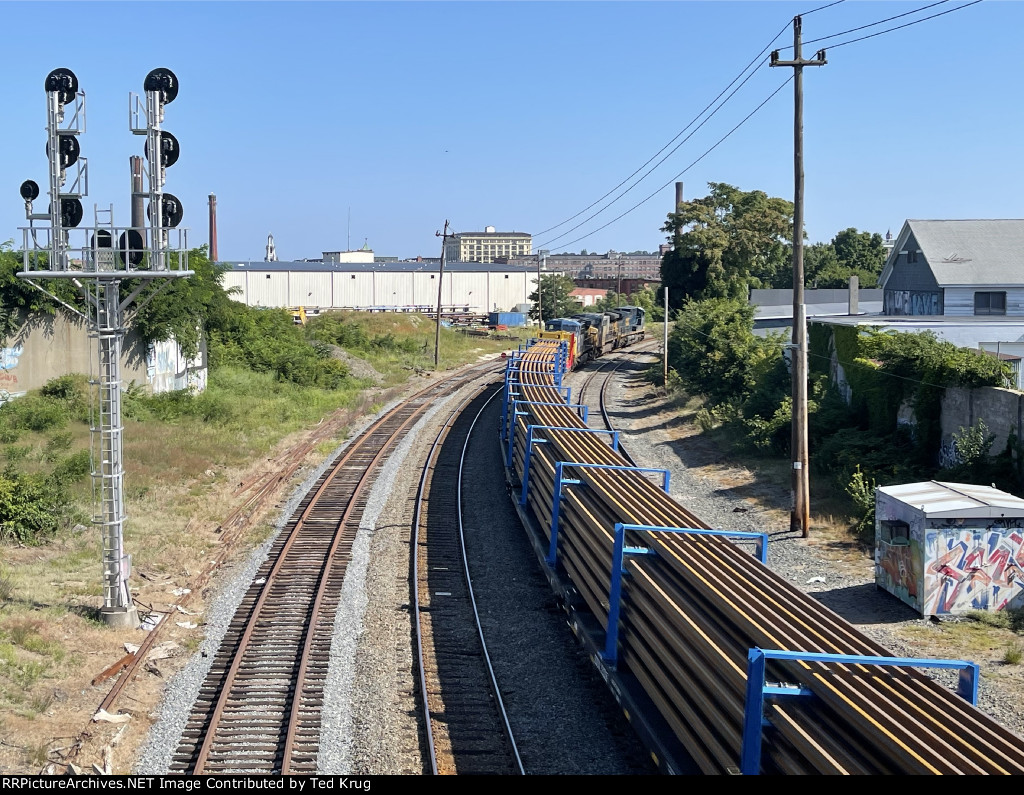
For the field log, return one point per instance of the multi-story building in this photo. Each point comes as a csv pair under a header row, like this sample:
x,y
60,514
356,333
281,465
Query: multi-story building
x,y
614,265
487,246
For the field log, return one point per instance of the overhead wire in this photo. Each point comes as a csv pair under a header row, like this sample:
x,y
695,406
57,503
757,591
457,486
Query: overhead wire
x,y
702,112
906,25
708,151
591,217
676,137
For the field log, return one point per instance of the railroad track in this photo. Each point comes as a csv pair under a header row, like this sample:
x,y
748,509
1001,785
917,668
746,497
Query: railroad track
x,y
259,708
695,606
467,728
605,377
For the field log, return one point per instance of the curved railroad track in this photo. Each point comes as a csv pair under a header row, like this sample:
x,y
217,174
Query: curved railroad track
x,y
259,708
467,728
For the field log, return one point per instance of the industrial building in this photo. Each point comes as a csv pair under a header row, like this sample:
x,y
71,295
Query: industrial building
x,y
469,287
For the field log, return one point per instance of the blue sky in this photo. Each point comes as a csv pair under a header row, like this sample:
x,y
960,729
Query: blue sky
x,y
329,124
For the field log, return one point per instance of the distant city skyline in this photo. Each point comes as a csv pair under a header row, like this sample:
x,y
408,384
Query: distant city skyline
x,y
327,124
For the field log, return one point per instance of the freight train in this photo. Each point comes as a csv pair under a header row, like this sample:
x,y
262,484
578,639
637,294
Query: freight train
x,y
591,334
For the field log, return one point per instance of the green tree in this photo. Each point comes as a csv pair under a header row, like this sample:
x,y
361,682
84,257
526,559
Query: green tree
x,y
186,307
18,297
554,294
851,253
713,349
727,242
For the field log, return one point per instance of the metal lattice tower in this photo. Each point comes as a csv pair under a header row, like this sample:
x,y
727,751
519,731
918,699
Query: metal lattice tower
x,y
97,260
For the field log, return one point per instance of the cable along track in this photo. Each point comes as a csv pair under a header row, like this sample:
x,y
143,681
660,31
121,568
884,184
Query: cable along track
x,y
692,611
467,729
258,711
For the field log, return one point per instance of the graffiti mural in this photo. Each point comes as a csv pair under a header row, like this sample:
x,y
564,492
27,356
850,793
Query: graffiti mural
x,y
907,302
9,357
899,570
972,569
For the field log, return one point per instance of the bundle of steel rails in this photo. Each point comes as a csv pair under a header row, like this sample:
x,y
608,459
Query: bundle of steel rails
x,y
750,674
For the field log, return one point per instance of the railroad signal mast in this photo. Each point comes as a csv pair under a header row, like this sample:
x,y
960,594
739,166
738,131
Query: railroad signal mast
x,y
90,260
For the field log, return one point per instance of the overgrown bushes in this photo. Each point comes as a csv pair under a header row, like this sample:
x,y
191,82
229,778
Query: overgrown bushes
x,y
37,476
746,383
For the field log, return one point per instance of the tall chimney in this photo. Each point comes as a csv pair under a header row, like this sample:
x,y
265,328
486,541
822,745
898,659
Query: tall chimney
x,y
679,196
138,197
213,228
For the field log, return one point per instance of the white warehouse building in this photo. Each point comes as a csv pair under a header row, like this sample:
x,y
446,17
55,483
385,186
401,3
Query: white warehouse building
x,y
472,287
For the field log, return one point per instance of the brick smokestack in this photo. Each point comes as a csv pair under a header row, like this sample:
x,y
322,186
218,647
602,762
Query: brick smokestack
x,y
679,196
213,228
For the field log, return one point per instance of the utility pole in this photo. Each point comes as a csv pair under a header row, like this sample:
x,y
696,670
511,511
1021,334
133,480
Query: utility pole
x,y
664,343
541,257
800,518
440,275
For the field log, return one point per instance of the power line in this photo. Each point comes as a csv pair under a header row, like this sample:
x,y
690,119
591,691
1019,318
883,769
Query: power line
x,y
651,170
821,8
687,127
695,162
702,112
906,25
879,22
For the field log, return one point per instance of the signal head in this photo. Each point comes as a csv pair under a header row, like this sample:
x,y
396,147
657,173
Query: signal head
x,y
169,149
64,83
164,81
129,247
29,190
71,212
68,150
173,211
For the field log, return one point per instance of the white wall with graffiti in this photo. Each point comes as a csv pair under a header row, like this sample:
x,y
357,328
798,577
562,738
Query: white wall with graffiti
x,y
45,348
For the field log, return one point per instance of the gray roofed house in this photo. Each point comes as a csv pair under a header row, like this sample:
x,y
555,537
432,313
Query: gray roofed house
x,y
956,268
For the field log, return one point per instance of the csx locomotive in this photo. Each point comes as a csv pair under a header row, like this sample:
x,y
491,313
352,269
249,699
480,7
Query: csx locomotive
x,y
591,334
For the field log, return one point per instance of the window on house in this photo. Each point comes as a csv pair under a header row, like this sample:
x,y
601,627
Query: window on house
x,y
353,276
911,256
268,275
990,303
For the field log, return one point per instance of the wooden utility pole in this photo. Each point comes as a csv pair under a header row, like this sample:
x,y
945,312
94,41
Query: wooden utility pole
x,y
541,261
664,343
440,275
800,518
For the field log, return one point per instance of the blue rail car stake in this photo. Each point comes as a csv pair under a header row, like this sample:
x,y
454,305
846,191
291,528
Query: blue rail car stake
x,y
757,689
620,553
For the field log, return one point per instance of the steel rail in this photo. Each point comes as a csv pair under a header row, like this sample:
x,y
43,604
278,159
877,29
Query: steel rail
x,y
367,442
294,538
417,606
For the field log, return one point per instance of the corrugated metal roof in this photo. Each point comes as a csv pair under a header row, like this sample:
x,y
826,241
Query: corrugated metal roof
x,y
937,500
984,252
379,267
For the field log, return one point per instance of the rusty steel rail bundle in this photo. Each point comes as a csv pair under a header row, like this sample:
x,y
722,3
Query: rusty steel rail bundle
x,y
695,613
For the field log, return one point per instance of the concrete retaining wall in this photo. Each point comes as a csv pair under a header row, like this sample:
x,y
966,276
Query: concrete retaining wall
x,y
47,347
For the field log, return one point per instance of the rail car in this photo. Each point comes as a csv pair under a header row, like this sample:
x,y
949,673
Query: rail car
x,y
722,665
589,335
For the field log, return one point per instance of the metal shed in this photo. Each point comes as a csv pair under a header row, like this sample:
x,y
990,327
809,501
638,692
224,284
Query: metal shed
x,y
948,548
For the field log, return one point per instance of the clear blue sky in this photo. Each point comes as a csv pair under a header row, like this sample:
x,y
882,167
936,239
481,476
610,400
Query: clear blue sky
x,y
300,116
